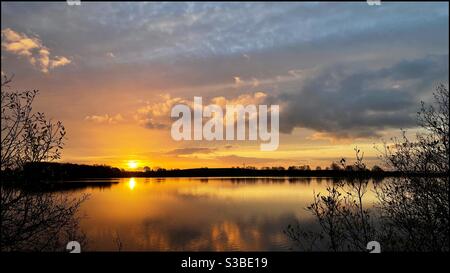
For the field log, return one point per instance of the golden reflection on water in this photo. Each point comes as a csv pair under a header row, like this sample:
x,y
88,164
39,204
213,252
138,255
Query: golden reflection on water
x,y
198,213
132,183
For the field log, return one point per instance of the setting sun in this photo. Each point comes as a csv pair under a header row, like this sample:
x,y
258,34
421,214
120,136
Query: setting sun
x,y
132,164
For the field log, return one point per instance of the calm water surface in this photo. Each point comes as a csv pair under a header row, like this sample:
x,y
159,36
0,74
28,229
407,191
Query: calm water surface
x,y
197,213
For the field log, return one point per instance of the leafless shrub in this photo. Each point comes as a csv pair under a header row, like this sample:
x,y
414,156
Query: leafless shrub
x,y
38,221
26,136
412,213
32,220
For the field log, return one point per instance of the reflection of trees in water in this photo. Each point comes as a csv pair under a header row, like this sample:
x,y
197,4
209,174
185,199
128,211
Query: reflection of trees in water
x,y
38,221
32,220
412,213
344,222
415,214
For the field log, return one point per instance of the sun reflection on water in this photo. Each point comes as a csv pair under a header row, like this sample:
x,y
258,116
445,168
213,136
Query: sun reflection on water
x,y
132,183
158,214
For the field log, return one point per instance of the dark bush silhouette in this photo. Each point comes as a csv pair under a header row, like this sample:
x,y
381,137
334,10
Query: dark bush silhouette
x,y
38,221
26,136
412,213
32,220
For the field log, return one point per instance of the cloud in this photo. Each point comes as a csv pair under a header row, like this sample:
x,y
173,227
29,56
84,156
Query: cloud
x,y
240,160
193,150
243,99
157,115
342,101
59,61
18,44
105,118
32,49
158,43
304,56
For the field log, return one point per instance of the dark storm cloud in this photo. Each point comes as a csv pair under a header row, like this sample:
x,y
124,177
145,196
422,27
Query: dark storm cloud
x,y
344,102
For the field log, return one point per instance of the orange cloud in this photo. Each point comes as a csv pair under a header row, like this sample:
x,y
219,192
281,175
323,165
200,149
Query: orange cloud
x,y
244,99
105,118
157,115
31,48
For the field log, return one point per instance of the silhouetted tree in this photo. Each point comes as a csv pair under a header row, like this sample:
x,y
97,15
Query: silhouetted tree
x,y
36,221
429,151
416,209
32,220
335,167
26,136
377,169
412,212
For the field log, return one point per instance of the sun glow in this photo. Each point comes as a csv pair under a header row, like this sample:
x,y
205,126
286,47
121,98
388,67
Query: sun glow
x,y
132,164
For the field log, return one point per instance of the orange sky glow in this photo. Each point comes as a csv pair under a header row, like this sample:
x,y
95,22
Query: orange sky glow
x,y
112,81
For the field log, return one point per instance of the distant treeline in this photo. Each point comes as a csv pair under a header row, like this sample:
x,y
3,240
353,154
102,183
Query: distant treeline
x,y
60,171
267,172
42,171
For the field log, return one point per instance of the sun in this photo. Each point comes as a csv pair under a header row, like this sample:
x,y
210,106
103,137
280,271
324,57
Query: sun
x,y
132,164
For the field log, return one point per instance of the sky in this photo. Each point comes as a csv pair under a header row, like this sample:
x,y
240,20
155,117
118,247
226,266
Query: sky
x,y
344,74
